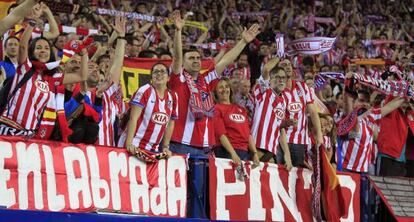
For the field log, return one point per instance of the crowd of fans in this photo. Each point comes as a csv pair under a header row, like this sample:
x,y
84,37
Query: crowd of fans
x,y
252,105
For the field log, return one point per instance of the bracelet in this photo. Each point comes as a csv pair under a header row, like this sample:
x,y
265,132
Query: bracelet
x,y
121,37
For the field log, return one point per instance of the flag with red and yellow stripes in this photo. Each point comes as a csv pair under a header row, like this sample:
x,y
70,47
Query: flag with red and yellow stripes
x,y
136,73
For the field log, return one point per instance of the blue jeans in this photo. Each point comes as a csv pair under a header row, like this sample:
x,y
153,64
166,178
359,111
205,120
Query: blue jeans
x,y
186,149
221,152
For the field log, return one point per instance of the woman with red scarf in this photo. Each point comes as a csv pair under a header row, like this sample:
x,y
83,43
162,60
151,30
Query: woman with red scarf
x,y
31,106
232,127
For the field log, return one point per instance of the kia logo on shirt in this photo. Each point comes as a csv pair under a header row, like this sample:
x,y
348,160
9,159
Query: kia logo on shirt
x,y
238,118
295,107
160,118
42,86
280,114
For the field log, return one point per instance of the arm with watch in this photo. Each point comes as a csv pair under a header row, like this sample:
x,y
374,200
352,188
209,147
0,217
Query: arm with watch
x,y
116,68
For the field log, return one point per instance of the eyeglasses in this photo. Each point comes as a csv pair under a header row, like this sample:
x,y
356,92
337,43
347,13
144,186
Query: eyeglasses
x,y
159,72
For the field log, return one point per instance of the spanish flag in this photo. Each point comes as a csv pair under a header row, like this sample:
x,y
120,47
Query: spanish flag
x,y
332,197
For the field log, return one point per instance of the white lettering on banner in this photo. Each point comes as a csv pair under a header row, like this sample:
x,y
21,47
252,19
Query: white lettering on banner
x,y
158,193
274,194
176,193
55,202
346,181
279,194
34,175
117,163
139,192
97,184
7,195
29,165
76,185
256,210
226,189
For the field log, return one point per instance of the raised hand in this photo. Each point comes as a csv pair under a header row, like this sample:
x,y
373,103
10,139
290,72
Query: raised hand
x,y
36,12
119,26
45,9
178,21
251,33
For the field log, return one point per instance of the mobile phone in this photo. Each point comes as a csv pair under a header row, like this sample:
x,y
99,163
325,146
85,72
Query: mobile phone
x,y
100,38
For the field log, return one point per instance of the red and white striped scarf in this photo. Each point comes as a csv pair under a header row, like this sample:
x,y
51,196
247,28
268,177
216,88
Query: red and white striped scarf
x,y
201,101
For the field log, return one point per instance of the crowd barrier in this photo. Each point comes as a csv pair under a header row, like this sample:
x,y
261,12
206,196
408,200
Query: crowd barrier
x,y
70,179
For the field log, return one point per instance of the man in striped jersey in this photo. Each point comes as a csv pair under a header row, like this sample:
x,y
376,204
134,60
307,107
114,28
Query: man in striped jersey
x,y
112,103
194,130
300,103
357,145
269,113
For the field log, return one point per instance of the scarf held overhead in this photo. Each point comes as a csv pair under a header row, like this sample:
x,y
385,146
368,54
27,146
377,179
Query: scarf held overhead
x,y
311,45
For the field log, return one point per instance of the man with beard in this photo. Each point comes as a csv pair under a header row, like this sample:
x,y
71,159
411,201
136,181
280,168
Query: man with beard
x,y
83,105
269,113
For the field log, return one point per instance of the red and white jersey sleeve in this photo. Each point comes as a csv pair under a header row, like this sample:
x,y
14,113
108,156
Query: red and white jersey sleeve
x,y
298,98
358,148
269,113
26,107
187,130
111,104
155,115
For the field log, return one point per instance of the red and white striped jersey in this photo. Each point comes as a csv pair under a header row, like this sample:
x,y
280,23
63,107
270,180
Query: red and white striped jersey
x,y
112,105
25,108
188,130
269,113
358,147
298,98
154,118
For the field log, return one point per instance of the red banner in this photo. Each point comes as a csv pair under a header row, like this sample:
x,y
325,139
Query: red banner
x,y
54,176
271,193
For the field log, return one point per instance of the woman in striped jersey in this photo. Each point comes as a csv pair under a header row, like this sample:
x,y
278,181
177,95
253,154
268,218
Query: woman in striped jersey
x,y
152,115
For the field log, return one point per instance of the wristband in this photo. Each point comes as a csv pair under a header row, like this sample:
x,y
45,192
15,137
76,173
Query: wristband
x,y
121,37
32,22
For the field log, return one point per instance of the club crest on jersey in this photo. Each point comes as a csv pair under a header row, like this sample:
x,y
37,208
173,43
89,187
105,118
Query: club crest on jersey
x,y
42,86
169,104
204,96
294,107
238,118
160,118
280,114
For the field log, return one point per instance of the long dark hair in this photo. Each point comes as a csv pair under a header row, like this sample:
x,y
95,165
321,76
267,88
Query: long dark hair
x,y
52,57
32,47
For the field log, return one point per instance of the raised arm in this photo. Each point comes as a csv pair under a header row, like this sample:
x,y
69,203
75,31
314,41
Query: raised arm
x,y
16,15
116,68
53,27
178,48
392,105
269,66
80,76
229,57
24,42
